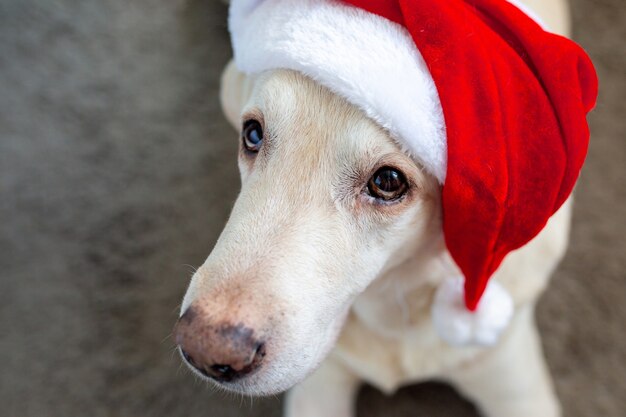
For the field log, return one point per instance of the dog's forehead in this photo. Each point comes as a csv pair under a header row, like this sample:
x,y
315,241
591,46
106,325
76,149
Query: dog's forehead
x,y
302,115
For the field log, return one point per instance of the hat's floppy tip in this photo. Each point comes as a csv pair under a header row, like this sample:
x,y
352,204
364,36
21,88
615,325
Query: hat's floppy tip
x,y
459,326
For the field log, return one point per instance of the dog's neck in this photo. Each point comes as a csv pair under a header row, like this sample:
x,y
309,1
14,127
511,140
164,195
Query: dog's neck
x,y
405,291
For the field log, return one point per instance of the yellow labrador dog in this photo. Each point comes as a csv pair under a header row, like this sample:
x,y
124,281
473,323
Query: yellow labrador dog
x,y
315,284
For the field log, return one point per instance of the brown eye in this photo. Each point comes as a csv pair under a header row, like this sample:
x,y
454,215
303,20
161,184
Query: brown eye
x,y
252,135
387,184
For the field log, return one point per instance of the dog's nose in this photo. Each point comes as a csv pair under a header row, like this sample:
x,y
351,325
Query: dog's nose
x,y
221,351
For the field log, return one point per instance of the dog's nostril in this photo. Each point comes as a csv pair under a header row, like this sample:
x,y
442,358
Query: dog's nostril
x,y
259,352
224,371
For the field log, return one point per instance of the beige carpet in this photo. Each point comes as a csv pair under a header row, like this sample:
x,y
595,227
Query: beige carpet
x,y
117,171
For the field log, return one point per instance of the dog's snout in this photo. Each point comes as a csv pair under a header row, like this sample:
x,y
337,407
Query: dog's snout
x,y
221,351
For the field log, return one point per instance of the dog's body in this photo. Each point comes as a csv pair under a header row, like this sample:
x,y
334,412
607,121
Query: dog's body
x,y
303,262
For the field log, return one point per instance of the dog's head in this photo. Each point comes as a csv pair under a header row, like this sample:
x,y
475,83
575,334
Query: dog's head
x,y
328,202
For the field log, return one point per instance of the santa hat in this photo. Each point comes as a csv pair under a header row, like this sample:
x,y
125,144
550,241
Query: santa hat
x,y
476,91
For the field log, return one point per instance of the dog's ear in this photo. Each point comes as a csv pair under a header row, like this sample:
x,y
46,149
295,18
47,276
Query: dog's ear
x,y
235,91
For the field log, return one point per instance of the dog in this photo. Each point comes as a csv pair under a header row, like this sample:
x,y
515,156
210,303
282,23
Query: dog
x,y
317,283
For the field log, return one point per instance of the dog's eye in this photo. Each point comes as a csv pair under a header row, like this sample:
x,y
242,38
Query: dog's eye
x,y
387,184
252,135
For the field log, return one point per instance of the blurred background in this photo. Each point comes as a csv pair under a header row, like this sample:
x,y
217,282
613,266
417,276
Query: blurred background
x,y
118,170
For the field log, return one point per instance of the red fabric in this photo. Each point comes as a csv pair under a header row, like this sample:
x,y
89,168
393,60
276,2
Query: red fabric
x,y
515,100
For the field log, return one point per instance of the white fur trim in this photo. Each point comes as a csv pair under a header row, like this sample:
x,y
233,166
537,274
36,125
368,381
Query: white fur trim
x,y
460,327
369,60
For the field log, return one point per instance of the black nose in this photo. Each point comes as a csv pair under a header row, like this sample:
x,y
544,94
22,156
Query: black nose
x,y
223,351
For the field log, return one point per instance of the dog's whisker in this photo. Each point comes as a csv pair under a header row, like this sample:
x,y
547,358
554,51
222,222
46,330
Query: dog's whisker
x,y
177,308
193,268
166,337
173,353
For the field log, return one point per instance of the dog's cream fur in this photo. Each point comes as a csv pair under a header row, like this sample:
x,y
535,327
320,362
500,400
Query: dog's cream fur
x,y
324,273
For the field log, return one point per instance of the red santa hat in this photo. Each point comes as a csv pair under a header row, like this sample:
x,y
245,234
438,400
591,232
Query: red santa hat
x,y
476,91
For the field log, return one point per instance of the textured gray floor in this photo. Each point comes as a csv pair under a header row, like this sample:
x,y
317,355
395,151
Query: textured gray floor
x,y
117,170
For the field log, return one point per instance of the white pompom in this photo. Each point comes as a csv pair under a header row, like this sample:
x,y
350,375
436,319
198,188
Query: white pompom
x,y
460,327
